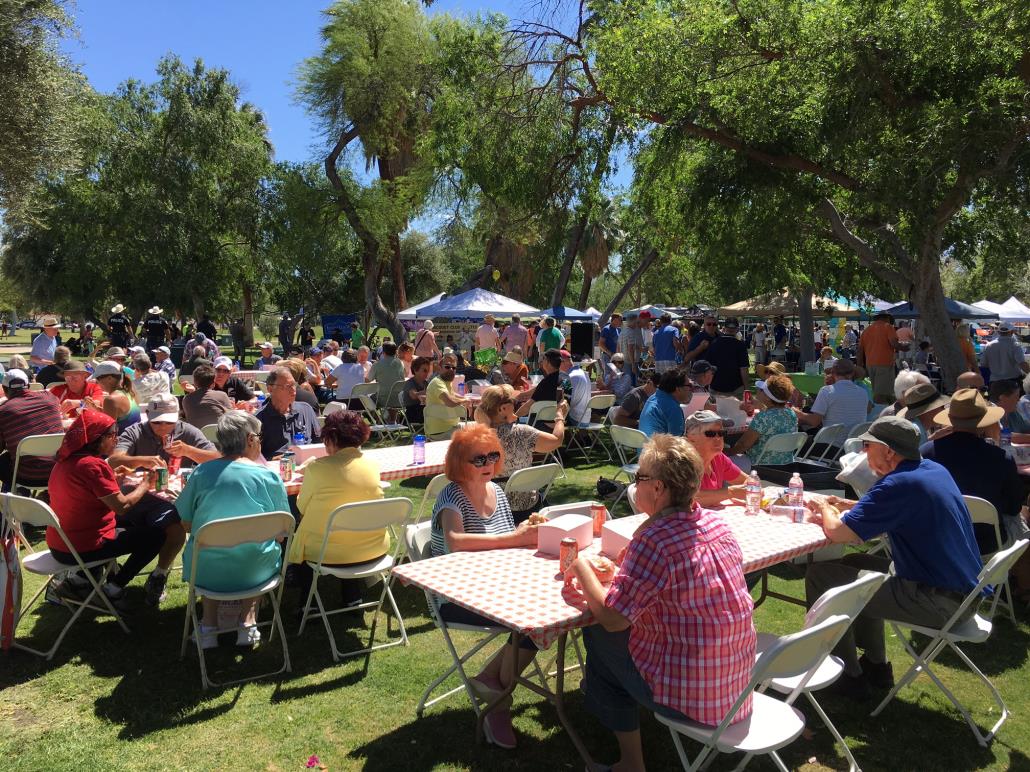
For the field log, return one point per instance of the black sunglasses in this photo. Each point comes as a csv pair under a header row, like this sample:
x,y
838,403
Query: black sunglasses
x,y
448,367
711,433
639,478
485,458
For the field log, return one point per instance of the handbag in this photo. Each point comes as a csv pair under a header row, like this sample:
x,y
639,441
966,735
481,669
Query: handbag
x,y
10,583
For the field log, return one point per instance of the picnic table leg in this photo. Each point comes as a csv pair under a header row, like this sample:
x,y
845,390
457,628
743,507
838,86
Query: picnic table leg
x,y
559,704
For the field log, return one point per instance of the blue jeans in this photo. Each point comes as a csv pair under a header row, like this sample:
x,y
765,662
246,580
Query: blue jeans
x,y
614,688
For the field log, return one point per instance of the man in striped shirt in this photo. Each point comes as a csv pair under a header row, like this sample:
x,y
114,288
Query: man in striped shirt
x,y
25,413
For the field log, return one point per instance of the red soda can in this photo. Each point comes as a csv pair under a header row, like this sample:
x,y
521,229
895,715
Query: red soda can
x,y
568,551
599,514
747,396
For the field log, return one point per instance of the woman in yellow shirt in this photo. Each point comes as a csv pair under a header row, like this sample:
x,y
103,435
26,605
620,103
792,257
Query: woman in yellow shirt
x,y
343,476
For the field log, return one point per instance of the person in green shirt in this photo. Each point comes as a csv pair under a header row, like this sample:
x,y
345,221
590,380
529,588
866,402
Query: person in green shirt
x,y
357,336
387,371
549,336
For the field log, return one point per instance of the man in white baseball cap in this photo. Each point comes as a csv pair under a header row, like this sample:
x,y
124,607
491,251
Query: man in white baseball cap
x,y
23,414
233,385
163,362
1004,357
268,356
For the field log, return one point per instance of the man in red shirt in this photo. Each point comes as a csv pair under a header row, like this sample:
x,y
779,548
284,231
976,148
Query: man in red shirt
x,y
23,414
77,388
876,353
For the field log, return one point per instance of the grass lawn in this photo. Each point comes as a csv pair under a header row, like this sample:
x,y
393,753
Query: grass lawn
x,y
115,701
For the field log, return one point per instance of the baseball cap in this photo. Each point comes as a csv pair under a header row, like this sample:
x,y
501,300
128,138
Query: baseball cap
x,y
1006,327
763,387
265,345
564,354
137,349
222,362
702,418
702,366
115,351
313,351
16,379
898,434
163,407
163,350
106,368
618,358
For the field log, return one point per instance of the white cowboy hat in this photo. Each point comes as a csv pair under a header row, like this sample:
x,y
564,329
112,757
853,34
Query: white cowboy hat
x,y
118,309
156,310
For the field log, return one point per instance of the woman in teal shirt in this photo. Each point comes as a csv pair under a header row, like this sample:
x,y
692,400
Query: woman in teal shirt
x,y
237,484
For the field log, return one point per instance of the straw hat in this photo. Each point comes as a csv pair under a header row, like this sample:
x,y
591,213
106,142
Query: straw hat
x,y
50,321
969,410
155,310
773,368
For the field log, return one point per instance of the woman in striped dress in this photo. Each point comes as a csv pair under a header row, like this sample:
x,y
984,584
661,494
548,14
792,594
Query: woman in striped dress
x,y
472,513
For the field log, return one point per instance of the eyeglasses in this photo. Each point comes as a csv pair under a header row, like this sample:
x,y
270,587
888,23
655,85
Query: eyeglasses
x,y
639,478
711,433
448,367
485,458
287,386
709,324
257,435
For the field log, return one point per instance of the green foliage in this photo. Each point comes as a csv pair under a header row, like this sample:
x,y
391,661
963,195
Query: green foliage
x,y
40,95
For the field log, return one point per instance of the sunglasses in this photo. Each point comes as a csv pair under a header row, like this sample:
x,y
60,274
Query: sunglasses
x,y
639,478
448,367
709,324
485,458
712,433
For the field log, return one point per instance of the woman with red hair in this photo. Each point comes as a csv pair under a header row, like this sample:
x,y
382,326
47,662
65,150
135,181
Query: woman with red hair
x,y
472,513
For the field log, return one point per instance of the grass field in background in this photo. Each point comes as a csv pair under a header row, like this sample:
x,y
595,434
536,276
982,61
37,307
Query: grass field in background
x,y
125,702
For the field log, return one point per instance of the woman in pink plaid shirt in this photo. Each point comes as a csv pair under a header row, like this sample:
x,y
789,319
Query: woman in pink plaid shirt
x,y
674,630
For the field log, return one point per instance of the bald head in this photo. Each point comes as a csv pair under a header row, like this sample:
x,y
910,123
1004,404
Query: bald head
x,y
970,380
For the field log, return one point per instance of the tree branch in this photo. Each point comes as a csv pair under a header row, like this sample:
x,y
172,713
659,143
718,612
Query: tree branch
x,y
865,253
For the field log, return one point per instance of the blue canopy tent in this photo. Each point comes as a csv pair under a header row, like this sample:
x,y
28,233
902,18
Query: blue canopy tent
x,y
955,309
564,312
475,304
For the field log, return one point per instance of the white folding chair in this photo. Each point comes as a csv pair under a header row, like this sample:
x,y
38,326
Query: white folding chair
x,y
334,407
225,534
534,479
377,423
533,418
54,386
595,430
548,413
37,446
210,431
859,429
772,723
437,484
791,443
975,629
365,390
831,438
395,402
361,517
983,512
19,511
261,376
847,600
628,444
34,386
186,379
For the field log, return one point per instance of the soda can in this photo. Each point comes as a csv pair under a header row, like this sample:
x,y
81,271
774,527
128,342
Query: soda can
x,y
286,467
599,514
747,396
162,480
569,550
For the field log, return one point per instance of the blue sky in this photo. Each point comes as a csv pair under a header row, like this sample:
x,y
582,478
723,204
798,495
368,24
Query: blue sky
x,y
260,42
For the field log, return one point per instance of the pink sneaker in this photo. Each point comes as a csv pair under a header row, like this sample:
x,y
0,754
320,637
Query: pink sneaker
x,y
498,729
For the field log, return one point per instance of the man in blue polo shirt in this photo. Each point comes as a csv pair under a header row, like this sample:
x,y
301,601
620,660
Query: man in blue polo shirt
x,y
665,344
936,561
609,340
662,413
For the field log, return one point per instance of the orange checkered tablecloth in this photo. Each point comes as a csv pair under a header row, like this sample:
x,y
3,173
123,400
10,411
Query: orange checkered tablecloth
x,y
522,590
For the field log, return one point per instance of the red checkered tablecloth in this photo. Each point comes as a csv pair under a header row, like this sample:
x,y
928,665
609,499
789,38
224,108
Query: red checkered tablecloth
x,y
522,590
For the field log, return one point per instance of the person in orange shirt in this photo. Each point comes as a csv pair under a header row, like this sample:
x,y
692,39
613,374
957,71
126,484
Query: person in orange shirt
x,y
876,352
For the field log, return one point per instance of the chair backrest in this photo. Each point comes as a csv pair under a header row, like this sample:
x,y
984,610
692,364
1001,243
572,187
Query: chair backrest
x,y
601,401
831,438
858,429
631,494
365,389
245,529
186,379
418,541
847,600
28,511
547,413
624,437
536,407
371,515
40,445
34,386
210,431
334,407
437,484
798,653
395,396
983,512
534,479
368,404
610,418
790,442
54,386
995,572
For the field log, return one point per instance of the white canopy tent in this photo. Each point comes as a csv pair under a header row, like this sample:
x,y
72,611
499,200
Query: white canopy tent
x,y
411,314
1015,311
475,304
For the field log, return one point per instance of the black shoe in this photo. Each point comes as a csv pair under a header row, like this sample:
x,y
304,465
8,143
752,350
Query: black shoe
x,y
154,589
852,687
67,590
879,676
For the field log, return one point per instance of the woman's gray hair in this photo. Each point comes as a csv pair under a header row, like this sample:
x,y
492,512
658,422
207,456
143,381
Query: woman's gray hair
x,y
233,429
141,362
675,462
702,418
906,380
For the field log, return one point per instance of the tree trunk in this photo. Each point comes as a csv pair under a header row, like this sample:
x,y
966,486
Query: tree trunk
x,y
400,292
807,341
584,292
571,250
649,258
248,315
928,298
199,305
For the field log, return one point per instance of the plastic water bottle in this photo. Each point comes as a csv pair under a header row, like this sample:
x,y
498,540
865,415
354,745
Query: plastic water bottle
x,y
1006,441
796,491
753,494
419,449
300,438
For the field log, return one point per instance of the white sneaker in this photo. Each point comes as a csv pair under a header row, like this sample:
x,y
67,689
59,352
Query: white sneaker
x,y
208,637
248,635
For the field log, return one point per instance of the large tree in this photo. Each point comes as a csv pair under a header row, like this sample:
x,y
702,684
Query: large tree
x,y
880,121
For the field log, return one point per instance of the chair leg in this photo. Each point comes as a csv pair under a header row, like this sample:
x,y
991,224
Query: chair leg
x,y
457,667
190,601
277,624
388,580
682,753
985,740
852,764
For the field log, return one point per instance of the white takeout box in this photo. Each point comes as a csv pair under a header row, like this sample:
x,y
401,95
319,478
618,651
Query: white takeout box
x,y
1021,454
616,534
550,534
304,453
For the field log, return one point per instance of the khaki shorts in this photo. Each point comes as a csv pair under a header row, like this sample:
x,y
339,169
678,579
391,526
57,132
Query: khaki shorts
x,y
882,378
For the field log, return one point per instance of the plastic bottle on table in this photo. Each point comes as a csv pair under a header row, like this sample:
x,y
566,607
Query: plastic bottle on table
x,y
1006,441
419,450
796,491
753,494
